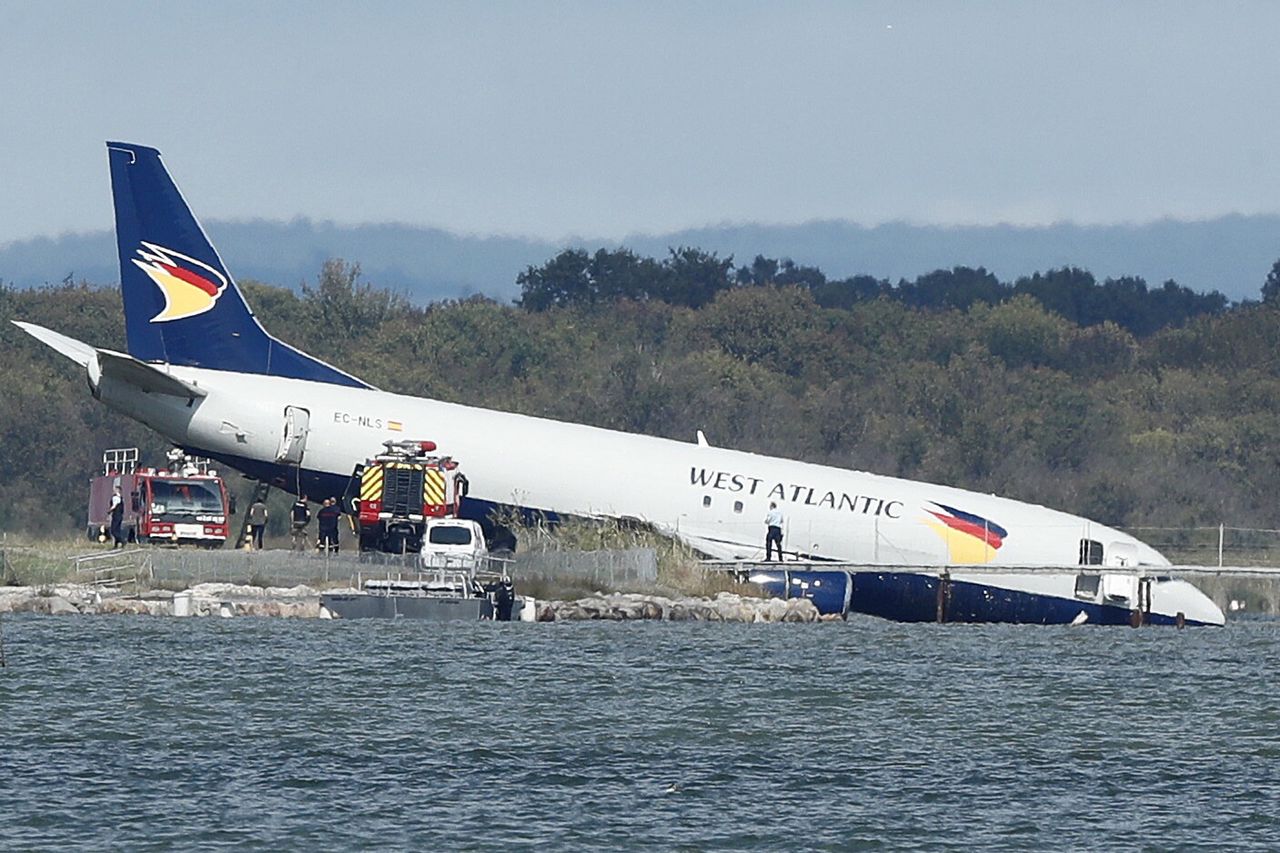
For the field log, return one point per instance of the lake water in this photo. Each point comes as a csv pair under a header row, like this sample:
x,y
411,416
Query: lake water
x,y
145,733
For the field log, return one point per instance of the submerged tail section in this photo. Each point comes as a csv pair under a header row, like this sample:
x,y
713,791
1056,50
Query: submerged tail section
x,y
181,306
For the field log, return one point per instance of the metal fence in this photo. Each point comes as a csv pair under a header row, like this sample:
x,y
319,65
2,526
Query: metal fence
x,y
269,568
281,568
612,567
1213,546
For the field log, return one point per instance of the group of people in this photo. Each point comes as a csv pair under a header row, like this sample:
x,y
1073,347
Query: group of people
x,y
299,518
330,512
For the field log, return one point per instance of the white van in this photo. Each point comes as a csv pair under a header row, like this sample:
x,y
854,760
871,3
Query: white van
x,y
453,543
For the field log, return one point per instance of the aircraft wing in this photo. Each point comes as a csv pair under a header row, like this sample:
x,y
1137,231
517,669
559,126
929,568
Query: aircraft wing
x,y
718,549
107,363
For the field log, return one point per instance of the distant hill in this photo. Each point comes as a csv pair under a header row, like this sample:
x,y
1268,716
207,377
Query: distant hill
x,y
1231,254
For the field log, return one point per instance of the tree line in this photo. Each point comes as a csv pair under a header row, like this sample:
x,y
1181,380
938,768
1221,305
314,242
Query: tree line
x,y
693,278
1172,425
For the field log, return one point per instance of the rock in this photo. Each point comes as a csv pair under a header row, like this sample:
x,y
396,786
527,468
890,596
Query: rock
x,y
771,610
725,607
59,606
800,610
124,606
16,600
679,613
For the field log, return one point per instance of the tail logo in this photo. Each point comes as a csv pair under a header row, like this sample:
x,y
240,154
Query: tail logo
x,y
189,286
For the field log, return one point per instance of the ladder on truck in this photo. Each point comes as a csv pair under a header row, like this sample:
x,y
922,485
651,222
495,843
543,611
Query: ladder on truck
x,y
120,460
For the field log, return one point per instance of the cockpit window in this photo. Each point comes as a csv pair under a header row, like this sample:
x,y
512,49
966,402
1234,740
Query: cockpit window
x,y
1090,552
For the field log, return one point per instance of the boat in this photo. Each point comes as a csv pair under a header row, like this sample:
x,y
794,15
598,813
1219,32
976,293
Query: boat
x,y
437,593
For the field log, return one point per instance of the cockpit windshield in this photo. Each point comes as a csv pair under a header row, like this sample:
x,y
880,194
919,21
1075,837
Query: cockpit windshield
x,y
186,496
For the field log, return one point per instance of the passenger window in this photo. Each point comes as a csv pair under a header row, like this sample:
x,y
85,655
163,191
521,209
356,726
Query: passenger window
x,y
1087,586
737,506
706,500
1090,552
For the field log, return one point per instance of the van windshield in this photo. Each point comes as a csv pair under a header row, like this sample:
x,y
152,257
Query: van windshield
x,y
449,536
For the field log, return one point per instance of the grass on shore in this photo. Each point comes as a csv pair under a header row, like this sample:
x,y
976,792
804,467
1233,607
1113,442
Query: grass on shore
x,y
43,562
680,572
40,562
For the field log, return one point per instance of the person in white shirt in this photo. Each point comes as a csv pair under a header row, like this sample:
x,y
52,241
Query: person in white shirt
x,y
773,536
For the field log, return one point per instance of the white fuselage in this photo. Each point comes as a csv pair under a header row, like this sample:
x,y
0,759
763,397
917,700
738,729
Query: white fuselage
x,y
715,498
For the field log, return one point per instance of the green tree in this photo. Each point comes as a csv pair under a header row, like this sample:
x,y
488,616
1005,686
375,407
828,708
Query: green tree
x,y
695,277
1271,287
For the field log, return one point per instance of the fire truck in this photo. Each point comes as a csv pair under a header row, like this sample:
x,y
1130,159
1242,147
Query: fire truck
x,y
396,494
184,503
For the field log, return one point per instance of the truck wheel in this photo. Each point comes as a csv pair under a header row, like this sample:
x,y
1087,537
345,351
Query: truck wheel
x,y
395,543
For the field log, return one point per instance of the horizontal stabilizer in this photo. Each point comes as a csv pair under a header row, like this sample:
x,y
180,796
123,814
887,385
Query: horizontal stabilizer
x,y
80,353
115,365
147,377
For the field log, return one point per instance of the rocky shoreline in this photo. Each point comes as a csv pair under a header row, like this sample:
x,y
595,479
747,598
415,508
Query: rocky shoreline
x,y
303,602
725,607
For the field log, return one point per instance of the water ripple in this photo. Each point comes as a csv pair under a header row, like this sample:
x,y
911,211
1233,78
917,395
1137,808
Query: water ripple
x,y
146,733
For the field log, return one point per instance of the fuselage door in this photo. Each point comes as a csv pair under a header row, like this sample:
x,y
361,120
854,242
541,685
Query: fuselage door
x,y
294,441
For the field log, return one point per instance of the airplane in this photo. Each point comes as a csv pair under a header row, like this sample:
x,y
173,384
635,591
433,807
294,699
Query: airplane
x,y
203,372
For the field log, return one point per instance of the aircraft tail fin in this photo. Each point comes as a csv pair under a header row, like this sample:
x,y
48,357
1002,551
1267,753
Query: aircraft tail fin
x,y
181,305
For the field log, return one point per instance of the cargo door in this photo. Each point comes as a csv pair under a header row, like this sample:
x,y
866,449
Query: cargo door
x,y
294,440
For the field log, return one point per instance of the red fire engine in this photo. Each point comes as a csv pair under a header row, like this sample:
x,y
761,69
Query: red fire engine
x,y
184,503
399,490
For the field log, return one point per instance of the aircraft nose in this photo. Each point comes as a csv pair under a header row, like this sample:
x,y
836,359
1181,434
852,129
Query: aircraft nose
x,y
1179,596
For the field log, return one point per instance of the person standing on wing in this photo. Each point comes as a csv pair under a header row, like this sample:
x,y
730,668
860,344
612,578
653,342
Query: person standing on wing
x,y
773,536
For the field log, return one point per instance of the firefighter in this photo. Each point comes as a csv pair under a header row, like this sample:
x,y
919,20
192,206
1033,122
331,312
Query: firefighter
x,y
117,519
327,520
299,518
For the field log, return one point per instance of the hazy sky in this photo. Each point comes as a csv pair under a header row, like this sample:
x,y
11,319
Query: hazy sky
x,y
602,119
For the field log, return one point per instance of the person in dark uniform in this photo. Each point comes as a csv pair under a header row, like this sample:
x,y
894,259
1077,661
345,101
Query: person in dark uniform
x,y
327,521
117,519
299,518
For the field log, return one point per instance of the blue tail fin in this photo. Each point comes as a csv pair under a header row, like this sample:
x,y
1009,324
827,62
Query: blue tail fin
x,y
181,306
